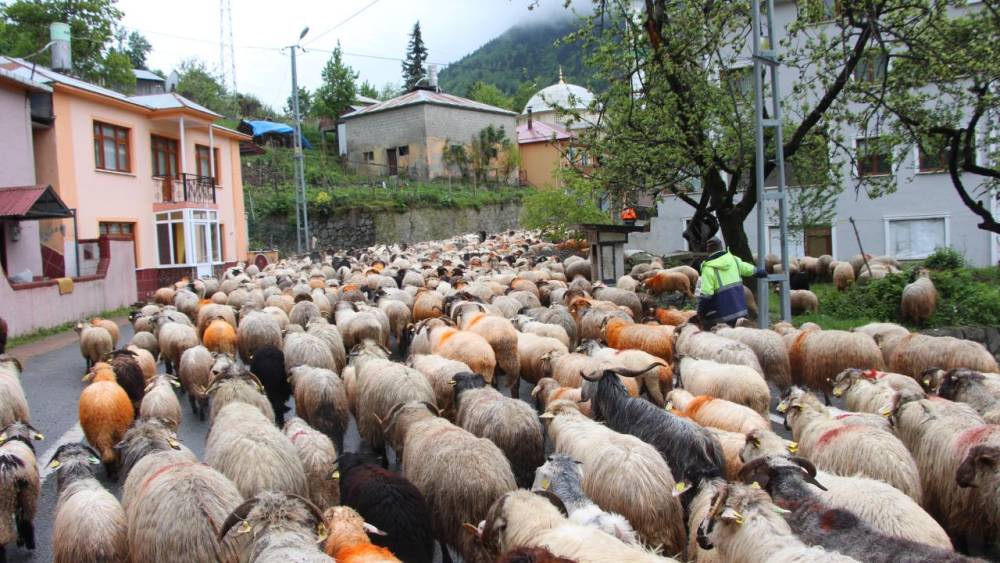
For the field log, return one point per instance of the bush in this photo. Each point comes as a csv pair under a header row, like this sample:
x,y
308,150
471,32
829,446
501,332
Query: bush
x,y
945,258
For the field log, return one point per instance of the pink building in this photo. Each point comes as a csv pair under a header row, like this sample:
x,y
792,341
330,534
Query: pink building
x,y
155,169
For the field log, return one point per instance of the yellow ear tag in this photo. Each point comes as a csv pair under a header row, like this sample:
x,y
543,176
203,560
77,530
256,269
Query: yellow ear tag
x,y
782,406
838,392
679,488
3,437
755,485
793,447
244,528
38,436
886,411
545,484
335,475
173,443
54,464
321,532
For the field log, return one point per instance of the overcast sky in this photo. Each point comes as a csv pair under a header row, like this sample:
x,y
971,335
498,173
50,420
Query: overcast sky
x,y
451,29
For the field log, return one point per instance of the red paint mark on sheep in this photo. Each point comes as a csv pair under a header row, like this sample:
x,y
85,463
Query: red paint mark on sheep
x,y
831,435
973,436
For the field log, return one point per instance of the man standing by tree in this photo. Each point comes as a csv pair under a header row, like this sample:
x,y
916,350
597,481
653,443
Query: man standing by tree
x,y
416,56
721,298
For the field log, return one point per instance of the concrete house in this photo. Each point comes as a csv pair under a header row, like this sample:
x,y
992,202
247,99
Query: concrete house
x,y
408,134
922,214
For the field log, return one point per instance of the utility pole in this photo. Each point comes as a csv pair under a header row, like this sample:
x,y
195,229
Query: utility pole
x,y
301,215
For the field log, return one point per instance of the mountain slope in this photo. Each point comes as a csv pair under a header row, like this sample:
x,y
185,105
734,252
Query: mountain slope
x,y
523,54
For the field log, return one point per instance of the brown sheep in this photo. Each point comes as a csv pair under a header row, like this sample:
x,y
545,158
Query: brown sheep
x,y
914,354
816,356
919,299
803,301
105,413
653,339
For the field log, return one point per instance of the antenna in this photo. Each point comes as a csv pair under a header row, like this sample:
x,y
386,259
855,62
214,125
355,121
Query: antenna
x,y
227,69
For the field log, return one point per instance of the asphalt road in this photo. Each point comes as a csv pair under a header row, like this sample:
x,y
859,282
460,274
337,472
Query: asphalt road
x,y
52,382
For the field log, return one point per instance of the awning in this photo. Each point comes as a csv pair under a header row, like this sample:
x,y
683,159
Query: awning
x,y
30,203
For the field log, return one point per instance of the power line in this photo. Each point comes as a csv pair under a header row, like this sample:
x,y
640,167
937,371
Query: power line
x,y
349,18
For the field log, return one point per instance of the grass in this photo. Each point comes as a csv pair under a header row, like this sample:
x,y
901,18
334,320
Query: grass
x,y
36,335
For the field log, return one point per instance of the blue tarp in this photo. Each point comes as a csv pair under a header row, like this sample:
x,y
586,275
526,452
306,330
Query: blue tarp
x,y
263,127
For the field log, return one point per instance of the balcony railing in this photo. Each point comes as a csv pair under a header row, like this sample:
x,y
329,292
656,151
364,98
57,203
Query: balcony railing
x,y
189,188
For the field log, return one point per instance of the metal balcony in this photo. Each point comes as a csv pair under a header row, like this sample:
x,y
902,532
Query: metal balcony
x,y
188,188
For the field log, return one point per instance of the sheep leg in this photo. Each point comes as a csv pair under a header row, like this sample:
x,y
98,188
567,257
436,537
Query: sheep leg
x,y
826,397
515,387
445,554
193,402
202,408
3,554
169,367
25,532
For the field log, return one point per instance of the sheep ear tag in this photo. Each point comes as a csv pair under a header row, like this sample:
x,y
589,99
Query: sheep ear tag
x,y
54,464
93,460
244,528
545,484
321,532
335,475
175,383
681,488
793,447
782,407
38,436
885,411
173,443
3,437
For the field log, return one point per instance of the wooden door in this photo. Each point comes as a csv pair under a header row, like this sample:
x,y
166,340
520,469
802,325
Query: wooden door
x,y
165,164
819,241
390,156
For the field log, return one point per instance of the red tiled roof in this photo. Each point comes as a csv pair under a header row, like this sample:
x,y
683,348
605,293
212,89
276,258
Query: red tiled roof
x,y
540,132
31,202
427,97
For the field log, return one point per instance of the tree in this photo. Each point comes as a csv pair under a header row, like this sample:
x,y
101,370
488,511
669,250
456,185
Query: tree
x,y
523,93
305,103
555,211
137,48
25,30
250,106
490,94
485,147
668,123
336,94
368,90
198,84
416,56
389,91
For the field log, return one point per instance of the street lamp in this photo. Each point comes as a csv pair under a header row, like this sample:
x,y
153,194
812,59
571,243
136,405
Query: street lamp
x,y
301,205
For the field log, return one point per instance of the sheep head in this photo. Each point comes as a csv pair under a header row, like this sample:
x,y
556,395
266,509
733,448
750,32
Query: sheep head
x,y
272,509
21,432
955,381
73,461
980,461
764,470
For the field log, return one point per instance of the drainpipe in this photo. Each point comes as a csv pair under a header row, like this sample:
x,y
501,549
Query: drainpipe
x,y
76,244
529,118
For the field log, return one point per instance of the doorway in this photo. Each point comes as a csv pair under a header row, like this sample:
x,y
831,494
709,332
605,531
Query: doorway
x,y
819,241
391,158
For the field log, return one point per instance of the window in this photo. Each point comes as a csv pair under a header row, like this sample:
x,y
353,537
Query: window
x,y
738,80
164,157
795,246
403,151
111,149
914,239
872,67
116,228
170,238
369,156
204,163
191,236
936,160
874,157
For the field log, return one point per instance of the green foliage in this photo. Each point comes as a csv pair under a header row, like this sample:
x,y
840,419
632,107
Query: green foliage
x,y
554,210
118,73
305,103
137,47
416,57
389,91
368,89
336,94
200,85
24,30
521,61
490,94
249,106
945,258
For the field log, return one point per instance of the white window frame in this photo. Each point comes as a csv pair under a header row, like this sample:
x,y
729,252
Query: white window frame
x,y
886,220
684,226
187,219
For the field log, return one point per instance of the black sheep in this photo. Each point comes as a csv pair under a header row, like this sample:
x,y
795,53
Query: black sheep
x,y
799,280
268,364
390,503
692,453
835,529
129,374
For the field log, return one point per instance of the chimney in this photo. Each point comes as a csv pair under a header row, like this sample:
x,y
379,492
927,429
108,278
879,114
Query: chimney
x,y
432,74
529,118
62,56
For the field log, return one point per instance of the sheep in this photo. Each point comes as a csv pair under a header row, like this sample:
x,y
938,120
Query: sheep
x,y
886,335
164,296
399,316
526,324
110,326
147,342
532,351
174,338
717,413
268,364
803,301
622,298
575,268
439,372
872,391
548,390
591,317
279,527
818,356
105,413
161,402
436,457
770,351
427,304
256,330
527,519
689,340
511,424
744,526
884,507
664,281
980,391
19,485
736,383
89,523
303,311
13,403
234,383
246,447
95,343
358,324
390,502
128,374
195,370
846,449
627,283
146,361
303,349
469,348
914,354
557,315
563,476
331,335
502,338
673,317
657,381
348,538
818,523
653,339
319,458
321,401
919,299
843,276
382,384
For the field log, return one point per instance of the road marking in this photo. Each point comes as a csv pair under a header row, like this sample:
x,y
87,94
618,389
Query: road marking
x,y
74,434
775,418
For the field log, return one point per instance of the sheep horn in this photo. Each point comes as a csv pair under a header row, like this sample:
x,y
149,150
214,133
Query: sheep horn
x,y
634,373
311,506
752,467
810,470
238,514
552,498
256,380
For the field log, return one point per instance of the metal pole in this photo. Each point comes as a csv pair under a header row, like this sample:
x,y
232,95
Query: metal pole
x,y
860,248
758,86
76,244
300,181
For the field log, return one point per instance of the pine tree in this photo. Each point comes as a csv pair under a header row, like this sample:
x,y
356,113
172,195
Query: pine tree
x,y
416,56
336,94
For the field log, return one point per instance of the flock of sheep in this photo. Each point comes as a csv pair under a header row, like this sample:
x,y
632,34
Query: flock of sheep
x,y
658,430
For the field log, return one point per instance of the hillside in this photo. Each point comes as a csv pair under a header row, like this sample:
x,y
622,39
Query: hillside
x,y
524,54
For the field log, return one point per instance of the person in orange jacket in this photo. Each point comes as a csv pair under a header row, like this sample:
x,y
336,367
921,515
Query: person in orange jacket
x,y
628,215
